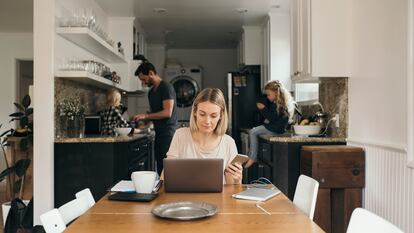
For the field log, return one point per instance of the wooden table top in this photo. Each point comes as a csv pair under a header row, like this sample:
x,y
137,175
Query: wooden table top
x,y
233,216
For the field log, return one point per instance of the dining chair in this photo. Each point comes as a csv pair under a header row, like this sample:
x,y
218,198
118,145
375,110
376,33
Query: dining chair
x,y
55,221
86,193
305,195
363,221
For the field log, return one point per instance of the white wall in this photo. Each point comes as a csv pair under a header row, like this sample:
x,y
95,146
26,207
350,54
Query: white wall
x,y
378,103
156,55
13,47
379,71
215,63
43,153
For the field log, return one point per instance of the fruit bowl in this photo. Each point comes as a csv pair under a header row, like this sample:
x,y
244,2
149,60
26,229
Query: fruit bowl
x,y
123,131
305,130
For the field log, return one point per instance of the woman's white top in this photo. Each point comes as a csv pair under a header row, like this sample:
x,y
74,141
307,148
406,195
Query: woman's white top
x,y
183,146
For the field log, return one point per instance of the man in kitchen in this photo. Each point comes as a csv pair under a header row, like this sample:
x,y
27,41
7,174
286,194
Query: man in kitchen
x,y
162,100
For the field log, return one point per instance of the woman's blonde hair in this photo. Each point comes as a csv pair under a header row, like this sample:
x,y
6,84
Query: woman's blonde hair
x,y
284,100
113,98
215,96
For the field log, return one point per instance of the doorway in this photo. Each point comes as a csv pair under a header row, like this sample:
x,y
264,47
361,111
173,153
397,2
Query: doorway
x,y
24,76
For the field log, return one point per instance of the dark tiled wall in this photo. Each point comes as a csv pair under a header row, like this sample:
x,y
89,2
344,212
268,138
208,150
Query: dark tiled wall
x,y
94,98
333,95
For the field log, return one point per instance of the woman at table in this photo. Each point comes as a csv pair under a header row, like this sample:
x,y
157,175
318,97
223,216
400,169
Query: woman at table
x,y
206,138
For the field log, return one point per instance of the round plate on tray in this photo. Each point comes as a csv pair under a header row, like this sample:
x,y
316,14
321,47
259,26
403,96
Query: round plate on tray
x,y
185,210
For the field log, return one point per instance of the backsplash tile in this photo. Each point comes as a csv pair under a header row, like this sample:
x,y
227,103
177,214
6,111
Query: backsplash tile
x,y
93,97
333,95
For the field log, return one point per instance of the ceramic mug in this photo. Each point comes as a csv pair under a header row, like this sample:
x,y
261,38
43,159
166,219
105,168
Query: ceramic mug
x,y
144,181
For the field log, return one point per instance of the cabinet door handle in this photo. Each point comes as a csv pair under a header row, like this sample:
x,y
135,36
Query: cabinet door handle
x,y
323,180
264,150
141,164
135,149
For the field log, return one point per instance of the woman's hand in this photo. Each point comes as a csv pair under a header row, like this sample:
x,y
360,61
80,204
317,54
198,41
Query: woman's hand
x,y
234,173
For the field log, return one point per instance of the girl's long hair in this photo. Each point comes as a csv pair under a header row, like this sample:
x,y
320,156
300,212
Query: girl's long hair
x,y
284,101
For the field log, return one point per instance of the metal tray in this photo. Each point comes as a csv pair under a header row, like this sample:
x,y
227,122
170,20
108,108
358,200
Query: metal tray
x,y
185,210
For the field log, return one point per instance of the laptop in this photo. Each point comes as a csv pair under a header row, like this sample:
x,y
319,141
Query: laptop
x,y
193,175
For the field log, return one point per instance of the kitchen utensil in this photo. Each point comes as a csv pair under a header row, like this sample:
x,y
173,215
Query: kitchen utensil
x,y
185,210
322,118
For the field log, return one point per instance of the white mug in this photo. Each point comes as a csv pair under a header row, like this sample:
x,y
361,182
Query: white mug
x,y
144,181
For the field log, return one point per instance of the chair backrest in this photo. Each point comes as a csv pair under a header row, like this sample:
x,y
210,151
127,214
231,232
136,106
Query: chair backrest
x,y
305,195
55,221
86,193
363,221
52,221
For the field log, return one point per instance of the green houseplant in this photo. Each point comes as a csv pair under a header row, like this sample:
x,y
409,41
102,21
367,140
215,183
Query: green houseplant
x,y
24,130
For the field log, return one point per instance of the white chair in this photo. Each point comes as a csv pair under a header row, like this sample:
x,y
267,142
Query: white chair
x,y
363,221
86,193
305,195
55,221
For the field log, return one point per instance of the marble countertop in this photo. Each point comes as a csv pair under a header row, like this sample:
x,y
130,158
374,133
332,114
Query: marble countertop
x,y
294,138
101,139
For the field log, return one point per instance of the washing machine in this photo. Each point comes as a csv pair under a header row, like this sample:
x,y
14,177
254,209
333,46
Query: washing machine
x,y
187,84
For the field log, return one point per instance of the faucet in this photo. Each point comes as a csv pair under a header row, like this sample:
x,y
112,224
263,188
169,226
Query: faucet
x,y
320,105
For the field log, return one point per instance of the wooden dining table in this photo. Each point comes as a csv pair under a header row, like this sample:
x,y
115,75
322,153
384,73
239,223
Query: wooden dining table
x,y
234,215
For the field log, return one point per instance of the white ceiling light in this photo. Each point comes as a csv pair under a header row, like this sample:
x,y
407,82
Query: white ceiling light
x,y
242,10
159,10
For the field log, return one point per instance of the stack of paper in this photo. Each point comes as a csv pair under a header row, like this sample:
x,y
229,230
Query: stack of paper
x,y
123,186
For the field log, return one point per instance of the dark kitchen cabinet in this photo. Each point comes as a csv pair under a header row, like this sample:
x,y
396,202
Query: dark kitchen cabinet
x,y
98,165
340,171
280,162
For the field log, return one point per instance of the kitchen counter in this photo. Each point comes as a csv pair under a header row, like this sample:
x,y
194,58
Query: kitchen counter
x,y
102,139
294,138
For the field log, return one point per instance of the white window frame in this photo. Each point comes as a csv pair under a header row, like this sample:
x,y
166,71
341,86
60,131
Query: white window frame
x,y
410,82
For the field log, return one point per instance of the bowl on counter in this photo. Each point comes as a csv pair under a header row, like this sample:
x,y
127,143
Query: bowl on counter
x,y
305,130
123,131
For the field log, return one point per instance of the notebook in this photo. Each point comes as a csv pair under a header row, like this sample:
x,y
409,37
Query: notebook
x,y
140,197
257,194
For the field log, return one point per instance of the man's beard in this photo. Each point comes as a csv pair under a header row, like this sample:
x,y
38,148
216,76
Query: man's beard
x,y
149,84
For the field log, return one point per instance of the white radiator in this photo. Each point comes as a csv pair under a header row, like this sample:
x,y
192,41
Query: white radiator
x,y
389,187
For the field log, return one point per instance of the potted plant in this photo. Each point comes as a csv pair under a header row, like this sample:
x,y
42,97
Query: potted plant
x,y
72,113
24,132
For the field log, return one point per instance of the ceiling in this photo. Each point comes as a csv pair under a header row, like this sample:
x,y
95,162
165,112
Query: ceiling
x,y
186,24
16,15
195,23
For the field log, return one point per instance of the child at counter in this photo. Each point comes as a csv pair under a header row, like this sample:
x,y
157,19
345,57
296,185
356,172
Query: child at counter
x,y
112,115
277,110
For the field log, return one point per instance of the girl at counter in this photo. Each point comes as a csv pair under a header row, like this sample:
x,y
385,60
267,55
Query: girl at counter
x,y
112,116
206,138
277,113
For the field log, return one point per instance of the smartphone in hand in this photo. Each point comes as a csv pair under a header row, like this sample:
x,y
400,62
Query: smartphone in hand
x,y
242,159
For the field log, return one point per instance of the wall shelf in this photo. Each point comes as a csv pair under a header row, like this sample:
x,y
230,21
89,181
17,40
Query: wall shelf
x,y
89,78
91,42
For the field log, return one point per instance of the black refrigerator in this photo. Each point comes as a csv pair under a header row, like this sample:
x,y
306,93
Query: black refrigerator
x,y
243,91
